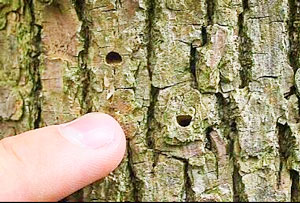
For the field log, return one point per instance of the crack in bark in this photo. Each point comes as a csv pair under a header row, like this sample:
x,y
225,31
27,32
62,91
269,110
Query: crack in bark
x,y
150,116
295,186
188,184
131,172
208,144
154,91
287,146
178,83
294,38
153,98
204,35
245,58
294,55
290,93
244,49
210,11
236,184
225,114
282,149
86,107
150,15
36,73
193,61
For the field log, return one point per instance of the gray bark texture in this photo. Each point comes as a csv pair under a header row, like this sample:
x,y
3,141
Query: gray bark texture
x,y
207,91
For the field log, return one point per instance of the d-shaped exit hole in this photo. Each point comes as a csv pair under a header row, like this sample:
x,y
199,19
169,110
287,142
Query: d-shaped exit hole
x,y
184,120
113,58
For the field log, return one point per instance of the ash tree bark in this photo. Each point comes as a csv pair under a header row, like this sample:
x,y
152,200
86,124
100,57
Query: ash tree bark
x,y
206,90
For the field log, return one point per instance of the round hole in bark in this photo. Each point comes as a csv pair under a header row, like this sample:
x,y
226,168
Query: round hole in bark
x,y
184,120
113,58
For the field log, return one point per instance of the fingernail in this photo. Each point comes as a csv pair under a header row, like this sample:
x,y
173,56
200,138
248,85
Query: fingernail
x,y
93,130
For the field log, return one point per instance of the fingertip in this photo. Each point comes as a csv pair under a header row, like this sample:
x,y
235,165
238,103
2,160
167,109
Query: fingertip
x,y
93,130
59,160
104,138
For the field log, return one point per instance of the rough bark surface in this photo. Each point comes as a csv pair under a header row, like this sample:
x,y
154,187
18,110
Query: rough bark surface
x,y
207,91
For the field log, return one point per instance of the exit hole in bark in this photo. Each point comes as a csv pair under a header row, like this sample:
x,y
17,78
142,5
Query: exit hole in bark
x,y
184,120
113,58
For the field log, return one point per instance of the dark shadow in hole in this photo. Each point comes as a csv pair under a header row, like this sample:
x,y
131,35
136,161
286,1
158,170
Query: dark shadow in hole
x,y
113,58
184,120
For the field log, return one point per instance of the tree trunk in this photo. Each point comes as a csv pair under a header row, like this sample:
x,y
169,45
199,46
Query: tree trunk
x,y
205,90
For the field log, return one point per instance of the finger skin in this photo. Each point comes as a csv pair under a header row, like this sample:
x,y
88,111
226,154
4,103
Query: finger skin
x,y
42,165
